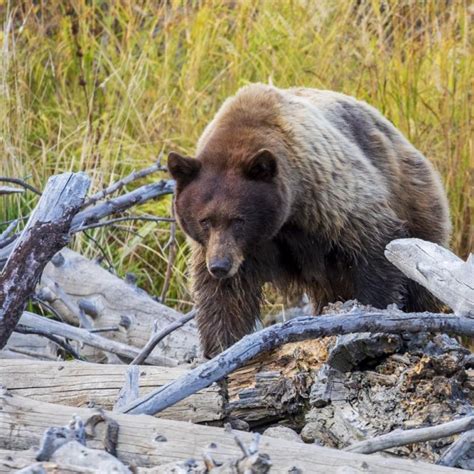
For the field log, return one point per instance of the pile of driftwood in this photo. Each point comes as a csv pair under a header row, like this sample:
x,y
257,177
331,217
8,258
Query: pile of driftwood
x,y
112,380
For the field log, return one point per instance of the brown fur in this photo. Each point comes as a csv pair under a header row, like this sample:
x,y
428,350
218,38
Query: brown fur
x,y
301,188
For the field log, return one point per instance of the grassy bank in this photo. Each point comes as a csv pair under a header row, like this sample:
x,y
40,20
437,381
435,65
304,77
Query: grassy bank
x,y
106,86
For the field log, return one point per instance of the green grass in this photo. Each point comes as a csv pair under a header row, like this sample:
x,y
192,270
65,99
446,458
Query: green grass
x,y
106,86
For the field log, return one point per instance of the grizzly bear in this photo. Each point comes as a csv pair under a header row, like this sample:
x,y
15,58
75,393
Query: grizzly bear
x,y
302,188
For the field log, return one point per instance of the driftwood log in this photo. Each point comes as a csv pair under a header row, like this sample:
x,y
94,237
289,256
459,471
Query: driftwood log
x,y
29,347
46,232
78,384
109,301
272,388
146,441
440,271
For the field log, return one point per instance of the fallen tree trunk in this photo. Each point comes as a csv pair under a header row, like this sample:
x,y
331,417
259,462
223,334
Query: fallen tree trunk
x,y
440,271
110,301
146,441
272,387
79,384
29,346
389,321
46,232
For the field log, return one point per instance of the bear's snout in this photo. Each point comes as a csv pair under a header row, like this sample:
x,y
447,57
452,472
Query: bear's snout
x,y
220,267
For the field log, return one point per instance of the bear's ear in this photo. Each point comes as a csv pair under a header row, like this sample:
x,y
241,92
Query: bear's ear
x,y
262,166
182,168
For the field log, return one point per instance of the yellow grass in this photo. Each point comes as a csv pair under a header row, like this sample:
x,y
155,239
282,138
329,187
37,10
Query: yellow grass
x,y
106,86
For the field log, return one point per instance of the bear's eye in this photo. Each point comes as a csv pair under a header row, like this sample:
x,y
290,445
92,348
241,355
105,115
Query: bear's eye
x,y
237,224
205,224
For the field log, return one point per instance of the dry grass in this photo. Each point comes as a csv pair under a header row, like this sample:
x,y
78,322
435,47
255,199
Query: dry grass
x,y
105,86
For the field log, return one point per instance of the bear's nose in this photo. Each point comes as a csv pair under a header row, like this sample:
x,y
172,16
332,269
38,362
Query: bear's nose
x,y
220,268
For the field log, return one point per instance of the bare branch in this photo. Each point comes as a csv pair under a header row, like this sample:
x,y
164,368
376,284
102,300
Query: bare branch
x,y
298,329
10,190
20,328
131,388
123,182
401,437
31,320
171,245
124,219
11,226
20,182
157,337
121,203
113,206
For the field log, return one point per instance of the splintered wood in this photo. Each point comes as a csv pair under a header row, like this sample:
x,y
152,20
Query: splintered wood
x,y
276,385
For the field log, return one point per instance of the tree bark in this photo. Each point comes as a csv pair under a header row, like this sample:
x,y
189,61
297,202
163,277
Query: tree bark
x,y
46,232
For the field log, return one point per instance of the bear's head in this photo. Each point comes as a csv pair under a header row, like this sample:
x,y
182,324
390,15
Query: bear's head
x,y
229,202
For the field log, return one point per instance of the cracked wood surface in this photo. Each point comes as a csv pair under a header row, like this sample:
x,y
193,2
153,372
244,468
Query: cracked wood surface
x,y
146,441
79,384
448,277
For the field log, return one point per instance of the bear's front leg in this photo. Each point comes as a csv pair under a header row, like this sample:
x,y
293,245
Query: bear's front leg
x,y
378,283
227,309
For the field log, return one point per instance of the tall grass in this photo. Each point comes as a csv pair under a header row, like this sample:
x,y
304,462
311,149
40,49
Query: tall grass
x,y
106,86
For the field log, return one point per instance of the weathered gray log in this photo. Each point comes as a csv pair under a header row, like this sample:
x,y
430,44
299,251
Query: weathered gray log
x,y
46,232
389,321
88,338
147,441
444,274
79,384
452,456
29,346
403,437
116,303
